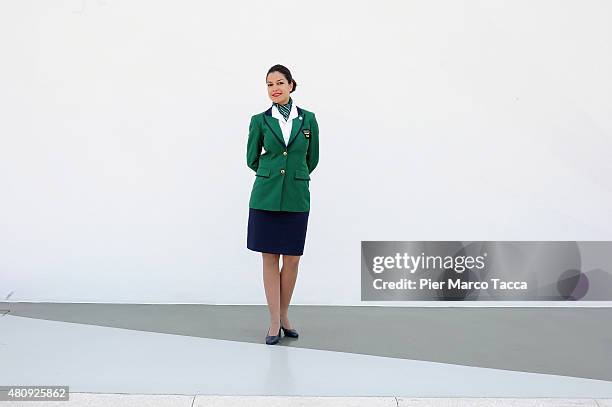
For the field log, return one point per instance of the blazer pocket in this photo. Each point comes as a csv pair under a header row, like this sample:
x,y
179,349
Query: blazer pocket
x,y
263,172
299,174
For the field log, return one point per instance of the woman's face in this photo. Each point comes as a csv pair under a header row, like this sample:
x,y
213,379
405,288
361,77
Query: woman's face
x,y
278,87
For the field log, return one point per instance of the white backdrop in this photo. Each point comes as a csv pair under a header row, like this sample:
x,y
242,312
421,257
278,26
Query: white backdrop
x,y
123,130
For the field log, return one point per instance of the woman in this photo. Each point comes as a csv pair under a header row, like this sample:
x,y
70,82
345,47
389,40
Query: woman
x,y
280,198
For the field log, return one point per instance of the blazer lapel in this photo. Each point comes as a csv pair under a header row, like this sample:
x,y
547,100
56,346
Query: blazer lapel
x,y
274,126
296,126
298,122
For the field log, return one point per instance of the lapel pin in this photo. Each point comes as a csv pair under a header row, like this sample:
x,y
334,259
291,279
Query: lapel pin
x,y
306,132
300,117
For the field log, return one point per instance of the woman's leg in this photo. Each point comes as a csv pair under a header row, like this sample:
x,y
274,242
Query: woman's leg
x,y
288,276
271,279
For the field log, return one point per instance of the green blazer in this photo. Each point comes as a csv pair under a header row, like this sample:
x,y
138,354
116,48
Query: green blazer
x,y
282,172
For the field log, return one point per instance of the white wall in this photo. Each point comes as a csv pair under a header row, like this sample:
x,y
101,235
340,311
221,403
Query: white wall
x,y
123,130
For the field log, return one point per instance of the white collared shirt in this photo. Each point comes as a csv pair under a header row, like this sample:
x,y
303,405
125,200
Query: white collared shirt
x,y
285,125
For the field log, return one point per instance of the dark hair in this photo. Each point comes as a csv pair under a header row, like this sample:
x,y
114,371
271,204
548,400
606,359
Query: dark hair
x,y
285,71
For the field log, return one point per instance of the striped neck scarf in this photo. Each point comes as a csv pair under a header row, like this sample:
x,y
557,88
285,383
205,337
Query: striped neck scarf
x,y
284,109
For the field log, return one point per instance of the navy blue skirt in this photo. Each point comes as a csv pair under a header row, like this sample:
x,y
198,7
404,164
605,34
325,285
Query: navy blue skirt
x,y
278,232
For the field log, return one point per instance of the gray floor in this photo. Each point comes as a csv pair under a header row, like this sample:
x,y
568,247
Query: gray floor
x,y
342,351
573,342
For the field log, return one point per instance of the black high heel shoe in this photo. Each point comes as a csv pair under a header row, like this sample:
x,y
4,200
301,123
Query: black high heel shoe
x,y
291,333
273,339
